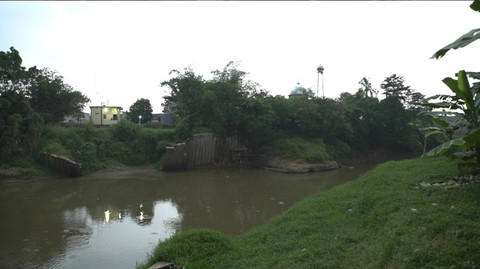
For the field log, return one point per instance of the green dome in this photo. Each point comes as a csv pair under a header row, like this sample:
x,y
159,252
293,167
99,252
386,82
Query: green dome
x,y
297,90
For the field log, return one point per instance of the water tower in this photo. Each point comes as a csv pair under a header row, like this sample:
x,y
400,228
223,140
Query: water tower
x,y
320,71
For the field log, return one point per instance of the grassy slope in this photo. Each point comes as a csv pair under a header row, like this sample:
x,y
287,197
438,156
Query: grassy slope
x,y
377,221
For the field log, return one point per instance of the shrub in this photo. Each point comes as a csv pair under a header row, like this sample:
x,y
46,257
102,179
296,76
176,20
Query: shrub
x,y
311,151
87,156
124,131
55,148
123,143
182,131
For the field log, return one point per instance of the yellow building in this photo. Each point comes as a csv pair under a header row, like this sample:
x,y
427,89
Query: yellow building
x,y
105,115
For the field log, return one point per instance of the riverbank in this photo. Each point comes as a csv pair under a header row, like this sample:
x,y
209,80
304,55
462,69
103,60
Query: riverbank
x,y
27,173
395,215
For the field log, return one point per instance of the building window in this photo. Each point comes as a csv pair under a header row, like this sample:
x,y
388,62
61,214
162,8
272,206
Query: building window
x,y
115,117
104,116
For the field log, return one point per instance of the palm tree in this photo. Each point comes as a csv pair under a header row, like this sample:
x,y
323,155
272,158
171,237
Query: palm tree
x,y
367,88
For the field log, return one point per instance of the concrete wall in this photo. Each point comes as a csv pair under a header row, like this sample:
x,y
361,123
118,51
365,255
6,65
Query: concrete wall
x,y
61,164
175,158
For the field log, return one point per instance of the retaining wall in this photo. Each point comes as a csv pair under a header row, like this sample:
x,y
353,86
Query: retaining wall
x,y
61,164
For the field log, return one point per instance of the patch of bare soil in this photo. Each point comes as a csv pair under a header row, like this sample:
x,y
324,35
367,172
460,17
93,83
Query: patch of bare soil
x,y
278,164
20,175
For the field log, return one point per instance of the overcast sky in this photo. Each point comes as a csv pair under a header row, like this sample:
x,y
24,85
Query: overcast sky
x,y
118,52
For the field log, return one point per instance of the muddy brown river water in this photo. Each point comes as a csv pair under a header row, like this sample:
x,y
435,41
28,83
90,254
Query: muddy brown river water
x,y
114,219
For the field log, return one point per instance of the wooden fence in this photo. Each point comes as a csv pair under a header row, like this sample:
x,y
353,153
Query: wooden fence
x,y
203,150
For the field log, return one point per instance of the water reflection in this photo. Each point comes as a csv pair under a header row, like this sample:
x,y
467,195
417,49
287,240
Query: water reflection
x,y
114,220
107,217
116,242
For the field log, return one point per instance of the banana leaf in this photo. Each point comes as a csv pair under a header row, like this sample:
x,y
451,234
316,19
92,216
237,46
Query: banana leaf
x,y
453,144
461,42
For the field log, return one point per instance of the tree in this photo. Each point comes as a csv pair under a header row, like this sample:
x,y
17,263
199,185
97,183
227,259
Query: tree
x,y
363,114
46,91
367,88
394,86
49,94
231,74
219,104
20,126
24,96
12,72
186,90
141,107
398,131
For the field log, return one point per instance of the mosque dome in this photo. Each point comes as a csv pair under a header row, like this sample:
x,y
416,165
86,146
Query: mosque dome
x,y
297,90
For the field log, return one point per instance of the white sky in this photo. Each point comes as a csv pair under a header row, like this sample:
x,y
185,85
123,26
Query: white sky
x,y
118,52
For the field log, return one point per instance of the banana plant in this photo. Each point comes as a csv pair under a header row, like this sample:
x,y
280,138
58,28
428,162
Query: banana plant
x,y
464,40
461,42
465,104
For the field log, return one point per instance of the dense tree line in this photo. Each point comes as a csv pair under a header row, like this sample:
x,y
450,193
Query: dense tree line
x,y
229,104
29,98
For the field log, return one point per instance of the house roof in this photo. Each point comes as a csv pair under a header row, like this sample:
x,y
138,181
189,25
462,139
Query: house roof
x,y
119,107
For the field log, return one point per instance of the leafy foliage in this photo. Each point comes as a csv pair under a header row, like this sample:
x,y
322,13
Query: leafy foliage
x,y
229,104
461,42
49,94
394,86
28,98
367,88
464,40
467,100
124,143
143,108
20,126
311,151
12,72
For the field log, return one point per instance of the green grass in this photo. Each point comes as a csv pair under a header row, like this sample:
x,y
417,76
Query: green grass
x,y
376,221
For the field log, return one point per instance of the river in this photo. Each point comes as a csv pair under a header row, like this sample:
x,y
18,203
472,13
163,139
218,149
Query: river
x,y
114,219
